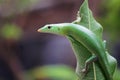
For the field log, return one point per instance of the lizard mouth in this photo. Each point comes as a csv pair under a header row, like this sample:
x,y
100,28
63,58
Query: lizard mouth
x,y
39,30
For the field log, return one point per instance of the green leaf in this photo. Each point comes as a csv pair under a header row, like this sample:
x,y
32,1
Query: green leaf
x,y
117,75
54,72
85,18
11,31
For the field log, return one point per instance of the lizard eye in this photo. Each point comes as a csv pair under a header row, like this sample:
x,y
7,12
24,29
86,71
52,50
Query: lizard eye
x,y
49,27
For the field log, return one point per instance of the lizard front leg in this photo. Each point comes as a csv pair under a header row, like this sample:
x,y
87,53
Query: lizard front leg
x,y
90,60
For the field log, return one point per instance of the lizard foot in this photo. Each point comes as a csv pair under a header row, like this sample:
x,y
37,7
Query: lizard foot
x,y
84,70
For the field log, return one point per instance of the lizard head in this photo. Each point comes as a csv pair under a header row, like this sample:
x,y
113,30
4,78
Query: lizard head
x,y
53,28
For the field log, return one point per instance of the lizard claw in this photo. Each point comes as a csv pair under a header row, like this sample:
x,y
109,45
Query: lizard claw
x,y
83,70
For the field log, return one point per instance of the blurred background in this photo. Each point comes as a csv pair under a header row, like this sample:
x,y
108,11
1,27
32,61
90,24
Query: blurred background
x,y
26,54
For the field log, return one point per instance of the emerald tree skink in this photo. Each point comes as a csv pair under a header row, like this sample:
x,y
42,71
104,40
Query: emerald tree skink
x,y
80,35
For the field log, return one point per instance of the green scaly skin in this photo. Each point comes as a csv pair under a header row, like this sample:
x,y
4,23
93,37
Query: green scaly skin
x,y
79,35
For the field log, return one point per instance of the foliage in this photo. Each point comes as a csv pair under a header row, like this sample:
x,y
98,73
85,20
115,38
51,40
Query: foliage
x,y
12,7
117,75
86,18
11,31
111,18
57,72
54,72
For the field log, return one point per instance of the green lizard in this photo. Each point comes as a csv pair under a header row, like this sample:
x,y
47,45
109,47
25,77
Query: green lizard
x,y
79,35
